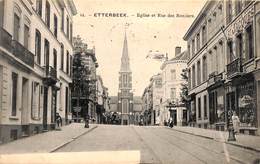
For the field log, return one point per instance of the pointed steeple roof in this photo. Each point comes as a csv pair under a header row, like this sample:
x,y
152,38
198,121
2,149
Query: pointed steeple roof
x,y
125,65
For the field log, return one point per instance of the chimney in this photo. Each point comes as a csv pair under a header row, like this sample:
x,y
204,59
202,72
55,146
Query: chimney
x,y
177,50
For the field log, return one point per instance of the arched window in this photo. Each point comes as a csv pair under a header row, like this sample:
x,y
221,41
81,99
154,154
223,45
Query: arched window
x,y
47,13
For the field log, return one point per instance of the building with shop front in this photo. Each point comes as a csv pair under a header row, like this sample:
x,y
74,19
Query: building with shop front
x,y
35,57
170,104
222,48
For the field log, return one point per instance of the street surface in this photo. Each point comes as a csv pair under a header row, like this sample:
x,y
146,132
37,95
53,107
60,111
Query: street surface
x,y
159,145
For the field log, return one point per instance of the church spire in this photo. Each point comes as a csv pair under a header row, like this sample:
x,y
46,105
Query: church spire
x,y
125,65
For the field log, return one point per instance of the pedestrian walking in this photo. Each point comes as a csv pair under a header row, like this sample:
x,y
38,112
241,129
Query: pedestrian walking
x,y
87,121
58,119
235,122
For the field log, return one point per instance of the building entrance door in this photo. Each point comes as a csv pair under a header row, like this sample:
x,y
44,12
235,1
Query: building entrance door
x,y
45,108
24,111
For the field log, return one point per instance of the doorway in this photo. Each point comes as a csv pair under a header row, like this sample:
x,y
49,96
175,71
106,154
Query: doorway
x,y
45,108
24,111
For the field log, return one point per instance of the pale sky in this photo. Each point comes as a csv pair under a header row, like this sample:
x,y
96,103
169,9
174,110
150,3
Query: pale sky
x,y
143,34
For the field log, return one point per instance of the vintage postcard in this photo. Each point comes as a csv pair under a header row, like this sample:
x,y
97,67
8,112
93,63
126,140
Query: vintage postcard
x,y
129,81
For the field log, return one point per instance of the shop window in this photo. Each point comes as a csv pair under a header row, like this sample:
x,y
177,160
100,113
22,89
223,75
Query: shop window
x,y
14,93
247,104
39,7
38,46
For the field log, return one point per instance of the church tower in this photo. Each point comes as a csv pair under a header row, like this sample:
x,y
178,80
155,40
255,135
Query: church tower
x,y
125,96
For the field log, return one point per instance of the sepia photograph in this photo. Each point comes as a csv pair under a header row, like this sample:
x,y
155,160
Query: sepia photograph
x,y
129,81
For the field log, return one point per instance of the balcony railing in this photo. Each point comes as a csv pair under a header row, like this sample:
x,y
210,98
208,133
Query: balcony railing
x,y
5,39
51,75
234,68
22,53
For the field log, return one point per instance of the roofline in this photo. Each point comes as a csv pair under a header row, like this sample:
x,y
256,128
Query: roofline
x,y
199,16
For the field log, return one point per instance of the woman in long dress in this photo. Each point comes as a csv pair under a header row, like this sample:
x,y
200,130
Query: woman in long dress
x,y
236,122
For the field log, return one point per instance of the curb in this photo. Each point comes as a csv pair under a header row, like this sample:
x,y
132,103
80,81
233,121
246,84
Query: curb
x,y
211,138
71,140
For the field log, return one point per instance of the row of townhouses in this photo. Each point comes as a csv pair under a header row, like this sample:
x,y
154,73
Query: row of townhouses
x,y
35,65
89,95
223,65
162,98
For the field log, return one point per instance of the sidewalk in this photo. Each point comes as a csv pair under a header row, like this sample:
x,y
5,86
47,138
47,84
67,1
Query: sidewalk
x,y
48,141
242,140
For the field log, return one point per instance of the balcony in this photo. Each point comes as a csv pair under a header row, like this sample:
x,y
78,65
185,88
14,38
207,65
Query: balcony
x,y
51,76
234,68
22,53
5,39
215,78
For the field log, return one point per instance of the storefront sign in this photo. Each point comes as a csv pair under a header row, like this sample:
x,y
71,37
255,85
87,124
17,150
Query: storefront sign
x,y
240,23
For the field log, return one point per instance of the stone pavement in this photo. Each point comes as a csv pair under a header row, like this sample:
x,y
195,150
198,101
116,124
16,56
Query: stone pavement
x,y
242,140
48,141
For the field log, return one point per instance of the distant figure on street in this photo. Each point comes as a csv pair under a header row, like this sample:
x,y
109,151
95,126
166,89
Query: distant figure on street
x,y
170,122
87,121
236,122
58,119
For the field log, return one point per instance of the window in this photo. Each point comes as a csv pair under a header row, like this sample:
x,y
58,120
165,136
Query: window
x,y
239,46
189,79
16,27
173,74
47,13
198,41
193,47
204,35
70,66
238,6
62,19
205,69
39,7
38,46
62,57
36,91
229,14
173,93
71,32
250,43
55,59
189,51
230,51
67,62
199,108
46,52
68,30
193,76
198,73
14,93
26,36
205,107
55,25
